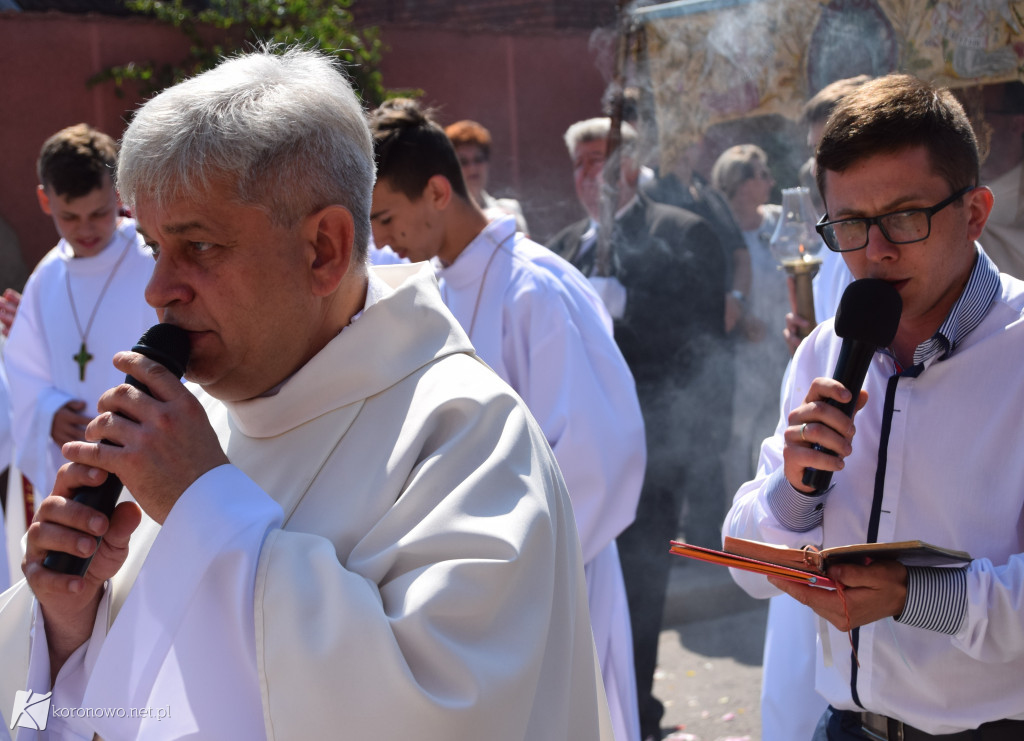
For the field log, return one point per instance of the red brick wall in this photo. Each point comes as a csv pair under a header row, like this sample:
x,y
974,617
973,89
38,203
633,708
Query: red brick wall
x,y
46,59
526,88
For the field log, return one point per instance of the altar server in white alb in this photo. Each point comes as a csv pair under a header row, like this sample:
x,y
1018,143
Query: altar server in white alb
x,y
83,302
536,320
352,527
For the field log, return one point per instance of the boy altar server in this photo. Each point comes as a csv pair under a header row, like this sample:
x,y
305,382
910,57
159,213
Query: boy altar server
x,y
354,529
535,320
83,303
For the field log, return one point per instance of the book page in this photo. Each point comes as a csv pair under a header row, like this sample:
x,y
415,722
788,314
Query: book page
x,y
907,552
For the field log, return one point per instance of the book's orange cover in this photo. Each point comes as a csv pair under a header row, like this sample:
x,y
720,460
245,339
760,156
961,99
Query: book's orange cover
x,y
731,560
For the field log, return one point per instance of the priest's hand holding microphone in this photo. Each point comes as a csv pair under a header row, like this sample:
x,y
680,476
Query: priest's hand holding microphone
x,y
153,435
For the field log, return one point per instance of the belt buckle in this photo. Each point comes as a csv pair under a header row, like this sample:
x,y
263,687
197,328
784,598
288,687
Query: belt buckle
x,y
880,727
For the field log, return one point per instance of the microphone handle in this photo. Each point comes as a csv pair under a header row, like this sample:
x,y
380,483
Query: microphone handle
x,y
851,368
103,498
816,477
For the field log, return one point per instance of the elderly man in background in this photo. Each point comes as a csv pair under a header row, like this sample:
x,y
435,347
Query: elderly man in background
x,y
665,293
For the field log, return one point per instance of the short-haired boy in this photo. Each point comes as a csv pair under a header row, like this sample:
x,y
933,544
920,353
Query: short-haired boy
x,y
83,303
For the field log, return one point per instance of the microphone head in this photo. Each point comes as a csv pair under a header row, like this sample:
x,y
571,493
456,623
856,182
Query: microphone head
x,y
869,311
168,345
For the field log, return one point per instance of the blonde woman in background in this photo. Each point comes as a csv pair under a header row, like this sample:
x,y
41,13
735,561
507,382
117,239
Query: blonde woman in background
x,y
741,173
790,706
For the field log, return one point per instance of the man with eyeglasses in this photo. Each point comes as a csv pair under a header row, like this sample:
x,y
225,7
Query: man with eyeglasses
x,y
933,453
905,226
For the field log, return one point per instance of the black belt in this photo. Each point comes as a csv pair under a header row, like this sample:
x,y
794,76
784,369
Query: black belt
x,y
883,728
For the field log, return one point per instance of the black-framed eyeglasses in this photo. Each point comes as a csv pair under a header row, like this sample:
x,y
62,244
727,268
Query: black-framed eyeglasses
x,y
899,227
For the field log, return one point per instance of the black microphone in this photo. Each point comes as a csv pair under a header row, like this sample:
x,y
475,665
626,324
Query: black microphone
x,y
867,319
169,346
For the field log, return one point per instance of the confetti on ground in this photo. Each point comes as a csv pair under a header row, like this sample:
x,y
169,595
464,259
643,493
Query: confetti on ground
x,y
711,694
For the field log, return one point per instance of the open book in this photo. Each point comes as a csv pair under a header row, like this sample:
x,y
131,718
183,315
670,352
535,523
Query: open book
x,y
809,566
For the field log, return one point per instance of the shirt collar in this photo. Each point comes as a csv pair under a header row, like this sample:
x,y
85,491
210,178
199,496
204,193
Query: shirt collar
x,y
473,259
966,314
376,289
589,237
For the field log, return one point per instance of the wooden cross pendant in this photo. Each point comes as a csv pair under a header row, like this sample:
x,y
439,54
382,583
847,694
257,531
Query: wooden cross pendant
x,y
82,358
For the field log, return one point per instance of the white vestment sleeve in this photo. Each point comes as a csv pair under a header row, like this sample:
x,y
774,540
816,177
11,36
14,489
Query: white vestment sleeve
x,y
191,601
573,378
64,719
35,398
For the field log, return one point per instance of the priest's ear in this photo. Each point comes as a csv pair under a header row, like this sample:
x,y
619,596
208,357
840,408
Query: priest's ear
x,y
329,234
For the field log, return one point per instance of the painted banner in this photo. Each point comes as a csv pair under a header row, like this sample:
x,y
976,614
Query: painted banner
x,y
717,60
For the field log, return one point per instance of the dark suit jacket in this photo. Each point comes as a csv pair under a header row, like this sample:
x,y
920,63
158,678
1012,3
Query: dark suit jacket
x,y
707,203
674,272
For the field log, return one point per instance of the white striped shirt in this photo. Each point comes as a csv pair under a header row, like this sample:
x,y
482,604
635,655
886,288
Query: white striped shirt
x,y
936,597
936,457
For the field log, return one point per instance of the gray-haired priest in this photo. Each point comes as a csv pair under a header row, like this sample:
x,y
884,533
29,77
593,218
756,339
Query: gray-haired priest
x,y
353,528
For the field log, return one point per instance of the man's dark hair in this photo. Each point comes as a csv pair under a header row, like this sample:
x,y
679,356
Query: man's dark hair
x,y
410,148
74,161
894,113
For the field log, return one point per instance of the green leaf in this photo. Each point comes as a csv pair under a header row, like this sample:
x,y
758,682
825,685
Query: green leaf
x,y
227,27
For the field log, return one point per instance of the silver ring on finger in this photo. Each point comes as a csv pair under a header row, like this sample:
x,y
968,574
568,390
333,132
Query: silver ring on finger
x,y
802,428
